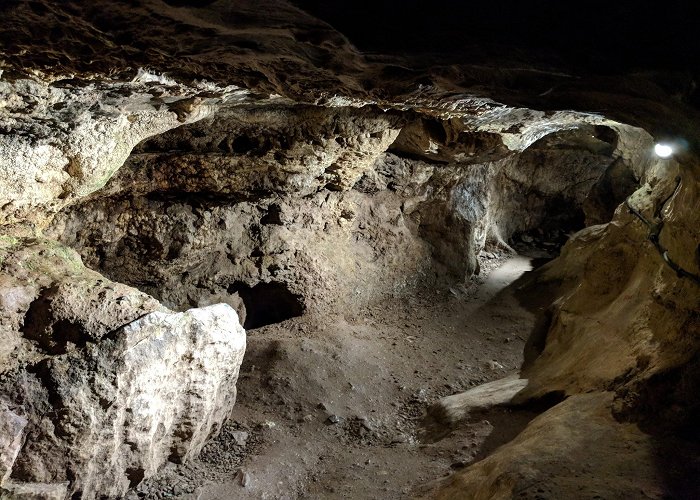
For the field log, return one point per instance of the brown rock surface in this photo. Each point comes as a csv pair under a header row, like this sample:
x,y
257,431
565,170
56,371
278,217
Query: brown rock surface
x,y
574,450
236,154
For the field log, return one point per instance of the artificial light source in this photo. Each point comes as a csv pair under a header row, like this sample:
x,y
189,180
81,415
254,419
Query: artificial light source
x,y
663,150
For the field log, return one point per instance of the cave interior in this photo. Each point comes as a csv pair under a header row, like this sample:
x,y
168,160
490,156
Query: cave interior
x,y
301,249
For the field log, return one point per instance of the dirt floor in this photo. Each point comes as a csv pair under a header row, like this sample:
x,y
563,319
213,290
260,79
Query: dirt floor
x,y
332,407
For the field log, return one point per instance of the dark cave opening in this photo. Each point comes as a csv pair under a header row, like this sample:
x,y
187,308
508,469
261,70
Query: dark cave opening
x,y
568,180
562,217
268,303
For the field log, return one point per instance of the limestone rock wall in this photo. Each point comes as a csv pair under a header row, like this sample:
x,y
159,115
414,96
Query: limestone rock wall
x,y
622,345
286,169
270,208
264,205
310,200
548,458
621,302
62,141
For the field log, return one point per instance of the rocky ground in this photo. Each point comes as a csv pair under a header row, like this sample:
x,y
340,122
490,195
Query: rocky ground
x,y
333,407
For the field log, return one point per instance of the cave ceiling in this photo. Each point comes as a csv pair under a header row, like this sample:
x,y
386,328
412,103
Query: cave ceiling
x,y
629,61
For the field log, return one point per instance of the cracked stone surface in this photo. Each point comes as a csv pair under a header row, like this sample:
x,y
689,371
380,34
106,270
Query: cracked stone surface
x,y
101,384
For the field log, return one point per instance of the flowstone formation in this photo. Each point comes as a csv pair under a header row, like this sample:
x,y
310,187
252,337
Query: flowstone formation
x,y
171,173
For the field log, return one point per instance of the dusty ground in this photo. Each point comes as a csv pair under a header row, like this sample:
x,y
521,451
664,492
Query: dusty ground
x,y
332,407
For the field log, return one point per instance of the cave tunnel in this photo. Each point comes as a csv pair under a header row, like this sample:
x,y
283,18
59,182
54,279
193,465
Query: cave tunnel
x,y
294,249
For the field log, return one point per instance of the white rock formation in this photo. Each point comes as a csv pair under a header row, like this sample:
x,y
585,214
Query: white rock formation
x,y
451,409
154,390
67,141
101,385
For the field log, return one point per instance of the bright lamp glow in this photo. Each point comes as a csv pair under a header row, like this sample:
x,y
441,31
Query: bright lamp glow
x,y
663,150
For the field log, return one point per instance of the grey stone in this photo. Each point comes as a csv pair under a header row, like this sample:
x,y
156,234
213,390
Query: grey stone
x,y
333,419
11,439
240,437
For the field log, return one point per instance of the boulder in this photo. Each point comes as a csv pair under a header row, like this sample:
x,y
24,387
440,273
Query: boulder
x,y
101,385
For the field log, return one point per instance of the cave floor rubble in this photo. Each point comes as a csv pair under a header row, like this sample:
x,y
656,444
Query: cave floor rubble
x,y
333,406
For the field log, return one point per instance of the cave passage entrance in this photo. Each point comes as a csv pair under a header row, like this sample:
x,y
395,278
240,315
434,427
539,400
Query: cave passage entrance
x,y
268,303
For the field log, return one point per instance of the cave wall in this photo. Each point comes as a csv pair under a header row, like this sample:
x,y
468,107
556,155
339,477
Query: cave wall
x,y
338,206
619,345
333,178
634,313
65,140
274,209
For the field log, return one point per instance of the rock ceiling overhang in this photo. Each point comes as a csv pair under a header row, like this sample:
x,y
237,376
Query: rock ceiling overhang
x,y
274,47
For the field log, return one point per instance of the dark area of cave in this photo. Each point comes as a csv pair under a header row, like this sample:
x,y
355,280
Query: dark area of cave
x,y
598,36
297,249
267,303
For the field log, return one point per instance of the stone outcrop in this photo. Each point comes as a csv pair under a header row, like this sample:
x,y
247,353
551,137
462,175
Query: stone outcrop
x,y
634,314
101,385
450,410
62,141
571,451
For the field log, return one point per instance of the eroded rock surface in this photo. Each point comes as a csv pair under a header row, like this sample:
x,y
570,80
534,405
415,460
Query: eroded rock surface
x,y
624,320
635,314
246,154
567,452
64,140
325,205
101,384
